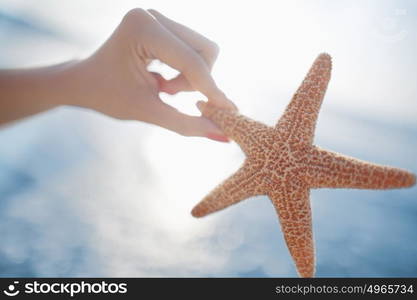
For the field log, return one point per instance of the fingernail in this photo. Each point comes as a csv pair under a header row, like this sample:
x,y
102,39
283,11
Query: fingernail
x,y
217,137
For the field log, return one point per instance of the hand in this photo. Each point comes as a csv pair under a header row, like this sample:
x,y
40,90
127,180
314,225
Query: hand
x,y
118,83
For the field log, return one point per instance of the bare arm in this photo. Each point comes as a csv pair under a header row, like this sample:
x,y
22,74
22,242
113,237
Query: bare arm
x,y
24,92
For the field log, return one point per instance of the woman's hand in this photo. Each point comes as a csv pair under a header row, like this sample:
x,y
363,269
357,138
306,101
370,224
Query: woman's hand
x,y
115,80
121,86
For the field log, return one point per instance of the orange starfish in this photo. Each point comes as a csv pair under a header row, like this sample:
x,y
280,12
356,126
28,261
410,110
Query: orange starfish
x,y
283,163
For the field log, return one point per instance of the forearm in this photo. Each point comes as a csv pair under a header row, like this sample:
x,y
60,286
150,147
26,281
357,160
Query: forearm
x,y
25,92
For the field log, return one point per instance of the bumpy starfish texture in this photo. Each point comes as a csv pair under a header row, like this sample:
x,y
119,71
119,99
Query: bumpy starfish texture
x,y
283,163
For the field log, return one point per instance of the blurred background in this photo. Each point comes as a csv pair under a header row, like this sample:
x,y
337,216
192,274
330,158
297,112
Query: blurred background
x,y
82,194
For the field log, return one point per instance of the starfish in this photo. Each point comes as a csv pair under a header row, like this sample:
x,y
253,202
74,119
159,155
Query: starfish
x,y
282,163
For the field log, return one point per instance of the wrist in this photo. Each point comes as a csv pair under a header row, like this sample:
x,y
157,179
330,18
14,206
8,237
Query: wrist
x,y
25,92
67,84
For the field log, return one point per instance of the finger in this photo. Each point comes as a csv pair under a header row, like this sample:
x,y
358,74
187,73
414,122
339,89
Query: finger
x,y
229,105
172,86
168,117
201,105
163,84
187,62
178,84
174,52
205,47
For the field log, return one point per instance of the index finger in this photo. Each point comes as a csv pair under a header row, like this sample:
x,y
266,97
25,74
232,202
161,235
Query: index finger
x,y
165,46
205,47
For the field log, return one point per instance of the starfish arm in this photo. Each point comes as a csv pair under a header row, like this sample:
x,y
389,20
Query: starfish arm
x,y
292,204
241,185
299,119
249,134
329,169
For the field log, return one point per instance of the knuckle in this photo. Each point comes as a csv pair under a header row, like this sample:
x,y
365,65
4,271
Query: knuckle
x,y
136,12
212,50
138,16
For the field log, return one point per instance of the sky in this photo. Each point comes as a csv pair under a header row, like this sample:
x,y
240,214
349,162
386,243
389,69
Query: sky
x,y
82,194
